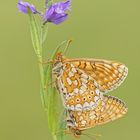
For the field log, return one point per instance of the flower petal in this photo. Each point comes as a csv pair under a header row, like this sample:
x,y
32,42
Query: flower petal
x,y
66,5
49,13
60,19
57,12
23,7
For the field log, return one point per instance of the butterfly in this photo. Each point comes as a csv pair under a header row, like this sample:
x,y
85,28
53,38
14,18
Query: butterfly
x,y
82,84
109,109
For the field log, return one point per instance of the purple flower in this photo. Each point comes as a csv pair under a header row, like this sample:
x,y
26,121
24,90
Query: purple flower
x,y
57,12
23,7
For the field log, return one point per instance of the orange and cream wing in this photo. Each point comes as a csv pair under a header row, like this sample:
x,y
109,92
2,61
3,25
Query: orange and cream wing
x,y
109,109
108,74
78,89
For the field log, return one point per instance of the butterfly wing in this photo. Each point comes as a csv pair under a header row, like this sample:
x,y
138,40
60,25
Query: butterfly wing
x,y
108,74
78,89
109,109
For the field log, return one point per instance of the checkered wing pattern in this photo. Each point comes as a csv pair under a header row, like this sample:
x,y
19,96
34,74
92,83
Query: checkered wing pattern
x,y
82,84
79,91
108,74
109,109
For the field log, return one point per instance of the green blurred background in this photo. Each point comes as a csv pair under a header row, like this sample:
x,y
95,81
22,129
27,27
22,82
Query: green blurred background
x,y
108,29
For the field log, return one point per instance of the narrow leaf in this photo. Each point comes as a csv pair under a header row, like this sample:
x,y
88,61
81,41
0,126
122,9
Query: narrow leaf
x,y
51,98
35,33
44,33
61,127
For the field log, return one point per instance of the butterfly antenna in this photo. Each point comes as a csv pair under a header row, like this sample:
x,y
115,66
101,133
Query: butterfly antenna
x,y
67,46
63,131
61,44
46,62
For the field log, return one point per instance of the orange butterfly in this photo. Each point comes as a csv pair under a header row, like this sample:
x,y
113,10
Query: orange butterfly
x,y
82,84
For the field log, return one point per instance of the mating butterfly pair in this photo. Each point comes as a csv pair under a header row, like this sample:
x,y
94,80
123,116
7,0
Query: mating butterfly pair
x,y
83,84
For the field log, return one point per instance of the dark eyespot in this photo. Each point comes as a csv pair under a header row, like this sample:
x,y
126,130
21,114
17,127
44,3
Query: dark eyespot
x,y
92,86
78,100
89,97
84,98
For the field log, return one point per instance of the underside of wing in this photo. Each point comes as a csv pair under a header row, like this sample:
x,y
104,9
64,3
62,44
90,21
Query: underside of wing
x,y
110,109
108,74
79,90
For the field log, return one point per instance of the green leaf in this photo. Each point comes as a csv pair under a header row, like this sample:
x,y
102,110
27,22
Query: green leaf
x,y
51,95
51,101
61,127
35,30
44,33
44,101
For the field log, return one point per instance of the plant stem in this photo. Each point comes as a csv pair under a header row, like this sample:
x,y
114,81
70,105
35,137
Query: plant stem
x,y
54,137
41,72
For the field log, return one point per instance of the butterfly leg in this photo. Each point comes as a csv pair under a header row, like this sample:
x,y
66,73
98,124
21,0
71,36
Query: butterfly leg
x,y
48,62
92,136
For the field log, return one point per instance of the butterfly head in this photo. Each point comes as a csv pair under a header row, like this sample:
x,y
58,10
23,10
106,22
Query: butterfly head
x,y
76,132
58,64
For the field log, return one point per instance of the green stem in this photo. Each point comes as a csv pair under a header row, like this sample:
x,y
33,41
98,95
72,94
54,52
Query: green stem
x,y
41,72
54,137
38,36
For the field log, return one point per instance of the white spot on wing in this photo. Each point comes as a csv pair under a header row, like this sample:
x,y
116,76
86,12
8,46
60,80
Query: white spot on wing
x,y
84,85
81,91
97,91
92,117
83,122
71,107
78,107
69,81
95,83
86,106
70,74
83,88
84,76
84,80
73,70
76,90
120,70
92,104
96,98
